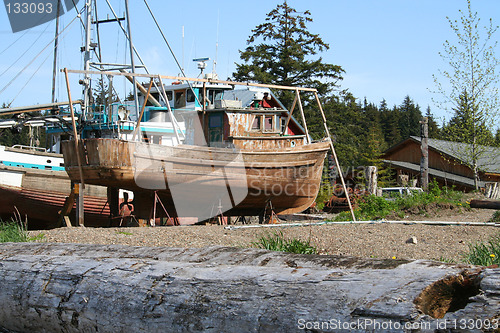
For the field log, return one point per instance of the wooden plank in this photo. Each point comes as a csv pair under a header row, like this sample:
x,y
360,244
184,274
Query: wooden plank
x,y
138,125
180,78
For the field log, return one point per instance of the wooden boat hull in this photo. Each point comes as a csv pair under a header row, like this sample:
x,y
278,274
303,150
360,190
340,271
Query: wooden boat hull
x,y
200,181
38,195
41,207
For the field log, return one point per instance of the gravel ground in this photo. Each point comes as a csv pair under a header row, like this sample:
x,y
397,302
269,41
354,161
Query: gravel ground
x,y
381,240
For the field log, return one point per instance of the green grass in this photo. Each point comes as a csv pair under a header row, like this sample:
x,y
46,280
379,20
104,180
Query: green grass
x,y
374,208
124,233
12,231
484,253
276,241
495,217
445,260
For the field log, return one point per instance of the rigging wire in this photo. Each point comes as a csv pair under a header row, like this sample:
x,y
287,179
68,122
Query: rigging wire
x,y
31,77
14,42
22,55
172,52
40,53
165,39
133,47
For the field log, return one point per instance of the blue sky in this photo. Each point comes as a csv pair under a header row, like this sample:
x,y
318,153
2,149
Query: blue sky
x,y
388,48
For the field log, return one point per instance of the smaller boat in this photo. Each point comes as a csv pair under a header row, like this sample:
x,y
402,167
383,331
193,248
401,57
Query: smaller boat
x,y
34,187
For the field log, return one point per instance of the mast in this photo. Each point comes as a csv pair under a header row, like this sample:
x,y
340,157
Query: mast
x,y
56,41
132,60
86,81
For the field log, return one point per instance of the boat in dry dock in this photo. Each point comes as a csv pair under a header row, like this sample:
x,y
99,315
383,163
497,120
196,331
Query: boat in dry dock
x,y
243,153
195,148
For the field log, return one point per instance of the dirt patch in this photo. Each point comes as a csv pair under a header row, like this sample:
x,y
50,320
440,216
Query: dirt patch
x,y
378,240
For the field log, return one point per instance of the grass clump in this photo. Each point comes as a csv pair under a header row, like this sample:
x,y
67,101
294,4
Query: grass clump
x,y
12,231
373,208
276,241
495,217
124,233
484,253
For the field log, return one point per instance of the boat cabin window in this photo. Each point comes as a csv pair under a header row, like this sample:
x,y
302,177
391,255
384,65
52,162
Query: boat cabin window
x,y
170,95
180,99
215,95
256,123
190,96
268,123
215,129
283,124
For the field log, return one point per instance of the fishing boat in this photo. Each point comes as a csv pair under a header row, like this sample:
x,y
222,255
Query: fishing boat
x,y
243,154
196,147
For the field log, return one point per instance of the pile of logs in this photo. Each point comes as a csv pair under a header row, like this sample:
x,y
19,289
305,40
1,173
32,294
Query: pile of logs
x,y
116,288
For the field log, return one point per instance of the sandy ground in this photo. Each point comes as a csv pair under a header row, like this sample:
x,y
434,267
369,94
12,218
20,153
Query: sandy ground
x,y
379,240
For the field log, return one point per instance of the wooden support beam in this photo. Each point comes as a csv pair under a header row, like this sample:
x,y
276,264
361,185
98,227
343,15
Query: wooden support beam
x,y
67,208
290,115
143,90
337,164
180,78
80,197
138,126
308,139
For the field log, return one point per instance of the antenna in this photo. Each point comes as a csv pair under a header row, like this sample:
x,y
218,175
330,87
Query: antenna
x,y
216,46
182,69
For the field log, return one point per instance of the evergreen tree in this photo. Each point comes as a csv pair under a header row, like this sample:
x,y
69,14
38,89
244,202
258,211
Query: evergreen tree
x,y
497,138
434,132
281,52
389,119
468,126
410,118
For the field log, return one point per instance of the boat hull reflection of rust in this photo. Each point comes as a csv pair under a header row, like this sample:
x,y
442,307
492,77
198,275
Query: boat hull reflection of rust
x,y
286,180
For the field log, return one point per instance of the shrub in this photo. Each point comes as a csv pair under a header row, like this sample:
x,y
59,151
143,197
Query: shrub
x,y
372,207
276,241
484,253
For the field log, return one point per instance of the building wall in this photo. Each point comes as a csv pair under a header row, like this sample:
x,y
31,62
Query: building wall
x,y
410,152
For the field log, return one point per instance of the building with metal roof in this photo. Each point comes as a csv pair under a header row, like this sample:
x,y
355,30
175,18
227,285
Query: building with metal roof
x,y
449,162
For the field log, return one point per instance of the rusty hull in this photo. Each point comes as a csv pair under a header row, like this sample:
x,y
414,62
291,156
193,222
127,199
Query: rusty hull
x,y
287,178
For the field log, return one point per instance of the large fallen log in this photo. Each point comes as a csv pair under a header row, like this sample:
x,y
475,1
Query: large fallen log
x,y
487,204
115,288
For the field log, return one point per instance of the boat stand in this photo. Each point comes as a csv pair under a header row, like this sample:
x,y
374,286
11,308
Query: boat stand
x,y
219,218
152,221
268,216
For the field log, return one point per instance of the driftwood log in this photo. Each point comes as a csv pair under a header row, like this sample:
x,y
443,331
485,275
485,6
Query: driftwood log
x,y
116,288
486,204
